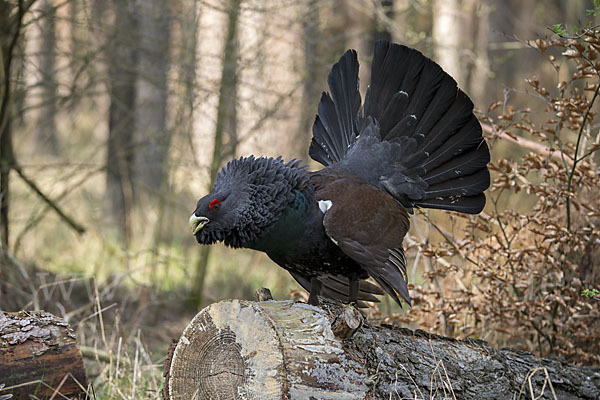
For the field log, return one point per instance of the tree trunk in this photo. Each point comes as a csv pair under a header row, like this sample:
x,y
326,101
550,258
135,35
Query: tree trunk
x,y
39,355
75,36
447,37
10,31
226,128
184,60
238,349
383,13
41,44
311,33
6,162
151,136
478,31
122,78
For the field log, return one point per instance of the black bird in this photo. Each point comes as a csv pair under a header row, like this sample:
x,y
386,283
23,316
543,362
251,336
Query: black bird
x,y
415,142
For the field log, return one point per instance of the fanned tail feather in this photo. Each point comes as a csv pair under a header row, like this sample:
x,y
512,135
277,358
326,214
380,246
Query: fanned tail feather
x,y
335,125
464,204
416,135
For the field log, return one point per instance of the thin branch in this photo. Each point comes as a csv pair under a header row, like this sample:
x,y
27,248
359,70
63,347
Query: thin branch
x,y
93,353
528,144
579,135
561,147
589,153
78,228
579,36
508,246
450,242
32,223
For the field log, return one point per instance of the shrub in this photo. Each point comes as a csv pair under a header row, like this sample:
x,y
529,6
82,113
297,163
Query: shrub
x,y
517,274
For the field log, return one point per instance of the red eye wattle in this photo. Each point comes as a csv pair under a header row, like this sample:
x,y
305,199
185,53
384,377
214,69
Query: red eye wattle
x,y
214,203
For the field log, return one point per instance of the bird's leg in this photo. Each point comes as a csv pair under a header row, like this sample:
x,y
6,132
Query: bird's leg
x,y
353,297
315,290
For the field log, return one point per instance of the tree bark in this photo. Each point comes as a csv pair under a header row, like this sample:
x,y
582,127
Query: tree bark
x,y
447,37
41,44
238,349
151,136
479,64
39,355
122,78
311,33
6,163
226,129
225,144
10,32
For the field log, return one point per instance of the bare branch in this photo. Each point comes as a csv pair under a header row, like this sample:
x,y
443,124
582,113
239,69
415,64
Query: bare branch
x,y
74,225
527,144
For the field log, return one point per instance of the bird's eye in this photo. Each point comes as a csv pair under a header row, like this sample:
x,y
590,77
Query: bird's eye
x,y
214,204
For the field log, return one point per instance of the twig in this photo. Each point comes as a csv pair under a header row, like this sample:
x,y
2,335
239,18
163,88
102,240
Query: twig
x,y
576,160
527,380
544,335
578,36
589,153
34,220
527,144
508,245
450,242
101,355
78,228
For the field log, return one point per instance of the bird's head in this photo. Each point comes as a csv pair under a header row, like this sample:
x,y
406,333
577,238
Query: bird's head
x,y
249,194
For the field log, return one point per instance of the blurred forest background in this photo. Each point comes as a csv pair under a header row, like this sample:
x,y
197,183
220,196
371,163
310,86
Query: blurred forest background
x,y
116,115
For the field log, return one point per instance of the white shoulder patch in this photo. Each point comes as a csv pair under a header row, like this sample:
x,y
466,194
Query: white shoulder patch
x,y
325,205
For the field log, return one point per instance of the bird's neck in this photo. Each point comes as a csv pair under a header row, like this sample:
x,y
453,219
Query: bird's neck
x,y
288,228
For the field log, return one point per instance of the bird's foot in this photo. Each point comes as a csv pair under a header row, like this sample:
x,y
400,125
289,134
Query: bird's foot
x,y
313,300
315,290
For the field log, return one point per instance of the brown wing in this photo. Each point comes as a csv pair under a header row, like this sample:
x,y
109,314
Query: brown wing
x,y
368,225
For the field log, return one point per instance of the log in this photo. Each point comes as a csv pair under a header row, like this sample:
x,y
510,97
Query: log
x,y
39,356
238,349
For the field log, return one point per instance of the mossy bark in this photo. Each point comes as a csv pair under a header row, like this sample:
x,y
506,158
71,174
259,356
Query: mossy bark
x,y
39,356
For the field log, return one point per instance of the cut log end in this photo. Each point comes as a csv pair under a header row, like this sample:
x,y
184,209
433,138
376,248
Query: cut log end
x,y
268,350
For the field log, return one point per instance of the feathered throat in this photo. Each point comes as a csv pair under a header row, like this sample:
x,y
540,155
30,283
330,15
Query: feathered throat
x,y
262,188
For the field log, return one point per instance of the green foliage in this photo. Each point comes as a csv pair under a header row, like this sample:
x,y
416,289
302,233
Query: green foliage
x,y
596,10
590,293
559,29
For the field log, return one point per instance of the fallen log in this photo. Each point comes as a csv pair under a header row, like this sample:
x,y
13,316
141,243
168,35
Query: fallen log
x,y
238,349
39,356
